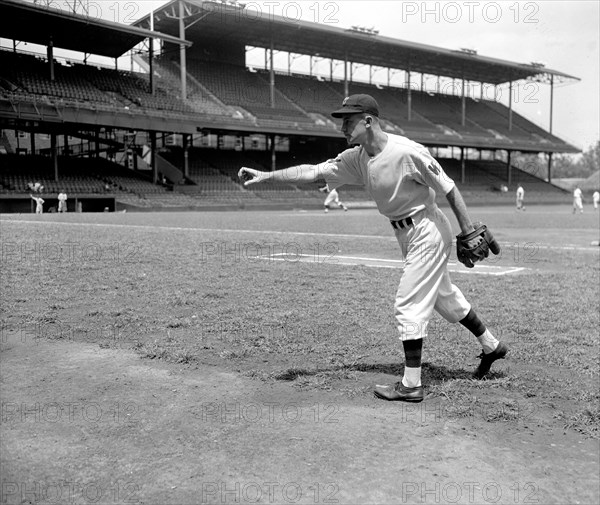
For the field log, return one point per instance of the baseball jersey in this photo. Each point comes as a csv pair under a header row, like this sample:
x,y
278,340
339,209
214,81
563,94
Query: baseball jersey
x,y
520,192
403,179
577,193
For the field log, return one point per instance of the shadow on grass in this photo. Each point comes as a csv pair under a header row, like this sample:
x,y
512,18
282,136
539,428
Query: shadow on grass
x,y
432,374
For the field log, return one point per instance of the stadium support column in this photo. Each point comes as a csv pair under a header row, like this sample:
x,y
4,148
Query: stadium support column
x,y
186,154
54,151
508,168
551,111
346,92
464,104
273,154
50,54
510,106
151,64
463,176
32,139
182,60
549,168
153,153
271,76
409,97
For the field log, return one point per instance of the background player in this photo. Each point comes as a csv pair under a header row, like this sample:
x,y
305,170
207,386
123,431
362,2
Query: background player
x,y
62,201
39,204
577,201
332,197
520,198
403,178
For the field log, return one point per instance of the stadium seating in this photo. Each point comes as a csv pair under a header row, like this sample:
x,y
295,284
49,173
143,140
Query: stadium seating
x,y
230,93
220,90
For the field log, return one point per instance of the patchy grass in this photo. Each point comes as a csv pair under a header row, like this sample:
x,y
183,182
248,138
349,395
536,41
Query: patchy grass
x,y
316,325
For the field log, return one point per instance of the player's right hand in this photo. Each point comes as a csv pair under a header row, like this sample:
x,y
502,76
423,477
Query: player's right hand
x,y
249,175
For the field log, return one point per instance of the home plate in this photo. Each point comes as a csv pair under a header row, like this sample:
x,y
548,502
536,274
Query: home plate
x,y
482,269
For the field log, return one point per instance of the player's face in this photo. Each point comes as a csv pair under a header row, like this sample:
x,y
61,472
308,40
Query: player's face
x,y
353,128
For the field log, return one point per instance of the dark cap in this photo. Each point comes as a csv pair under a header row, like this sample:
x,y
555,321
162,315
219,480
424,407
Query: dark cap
x,y
355,104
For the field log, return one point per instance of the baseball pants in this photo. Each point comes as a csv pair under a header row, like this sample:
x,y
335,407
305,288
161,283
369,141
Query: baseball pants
x,y
331,198
425,284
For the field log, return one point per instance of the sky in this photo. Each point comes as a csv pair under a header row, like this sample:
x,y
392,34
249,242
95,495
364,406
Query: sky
x,y
563,35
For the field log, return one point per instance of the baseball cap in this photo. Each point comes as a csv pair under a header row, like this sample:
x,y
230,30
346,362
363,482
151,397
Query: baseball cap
x,y
354,104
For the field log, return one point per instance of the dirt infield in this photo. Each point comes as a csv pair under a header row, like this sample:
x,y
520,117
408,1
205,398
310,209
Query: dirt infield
x,y
126,378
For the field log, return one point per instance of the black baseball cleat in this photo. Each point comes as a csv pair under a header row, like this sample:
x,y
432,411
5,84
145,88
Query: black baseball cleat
x,y
488,359
399,392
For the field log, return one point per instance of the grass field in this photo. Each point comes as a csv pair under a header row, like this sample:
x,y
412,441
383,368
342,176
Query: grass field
x,y
297,305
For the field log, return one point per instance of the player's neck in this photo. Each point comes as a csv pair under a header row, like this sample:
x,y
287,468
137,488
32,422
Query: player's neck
x,y
375,143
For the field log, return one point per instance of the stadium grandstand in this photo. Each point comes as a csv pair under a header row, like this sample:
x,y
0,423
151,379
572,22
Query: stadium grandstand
x,y
173,130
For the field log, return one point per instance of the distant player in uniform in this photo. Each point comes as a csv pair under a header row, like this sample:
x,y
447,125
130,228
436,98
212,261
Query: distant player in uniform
x,y
403,179
520,198
577,201
39,204
62,201
332,197
596,199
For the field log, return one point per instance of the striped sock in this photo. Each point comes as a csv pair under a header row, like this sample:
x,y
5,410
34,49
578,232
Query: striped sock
x,y
412,377
488,342
472,323
413,350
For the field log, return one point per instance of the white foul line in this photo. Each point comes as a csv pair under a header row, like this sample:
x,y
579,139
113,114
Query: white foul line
x,y
384,263
568,247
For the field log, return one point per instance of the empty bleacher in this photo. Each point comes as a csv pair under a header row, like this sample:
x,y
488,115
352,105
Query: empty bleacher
x,y
234,93
17,172
238,87
167,73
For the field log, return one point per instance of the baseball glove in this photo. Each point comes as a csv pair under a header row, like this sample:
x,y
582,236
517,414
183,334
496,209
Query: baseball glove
x,y
475,246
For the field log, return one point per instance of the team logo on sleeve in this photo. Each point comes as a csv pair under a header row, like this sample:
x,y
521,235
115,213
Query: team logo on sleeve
x,y
434,168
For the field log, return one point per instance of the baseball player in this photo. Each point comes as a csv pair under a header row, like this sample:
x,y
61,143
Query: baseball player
x,y
403,179
332,197
62,201
577,201
596,199
39,204
520,198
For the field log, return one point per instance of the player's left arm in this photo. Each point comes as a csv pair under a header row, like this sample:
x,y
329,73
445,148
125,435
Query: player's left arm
x,y
459,207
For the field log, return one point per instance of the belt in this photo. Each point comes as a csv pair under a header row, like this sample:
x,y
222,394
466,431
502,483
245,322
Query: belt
x,y
402,223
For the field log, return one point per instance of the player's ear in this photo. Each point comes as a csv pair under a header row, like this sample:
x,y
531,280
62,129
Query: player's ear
x,y
368,120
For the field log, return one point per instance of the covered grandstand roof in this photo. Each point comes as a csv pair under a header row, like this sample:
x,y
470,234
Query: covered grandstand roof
x,y
40,25
211,19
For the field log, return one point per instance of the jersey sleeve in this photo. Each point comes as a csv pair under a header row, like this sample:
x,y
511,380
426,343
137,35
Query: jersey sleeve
x,y
344,169
430,173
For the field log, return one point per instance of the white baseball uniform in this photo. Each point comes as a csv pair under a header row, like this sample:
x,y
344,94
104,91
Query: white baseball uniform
x,y
577,200
39,204
62,202
596,199
332,197
403,180
520,197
